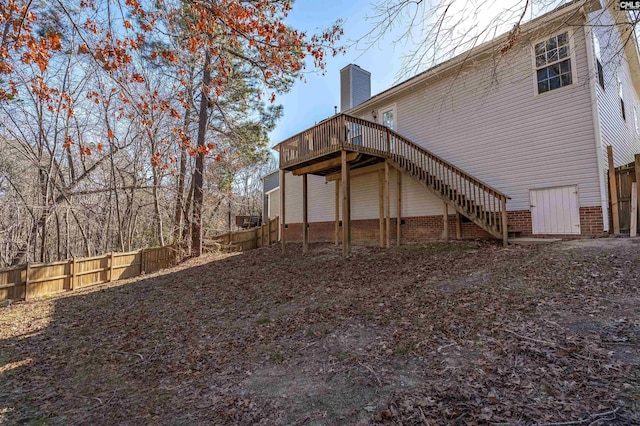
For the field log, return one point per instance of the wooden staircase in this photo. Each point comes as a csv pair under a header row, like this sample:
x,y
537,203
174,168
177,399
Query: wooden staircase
x,y
483,205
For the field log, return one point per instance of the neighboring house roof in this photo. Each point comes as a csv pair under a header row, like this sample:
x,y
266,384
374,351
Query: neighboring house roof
x,y
484,49
271,181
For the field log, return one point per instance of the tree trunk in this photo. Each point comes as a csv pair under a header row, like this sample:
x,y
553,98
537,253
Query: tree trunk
x,y
198,174
156,209
188,214
179,211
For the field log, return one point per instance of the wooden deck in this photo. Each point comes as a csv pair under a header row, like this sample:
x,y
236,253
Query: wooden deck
x,y
343,143
318,150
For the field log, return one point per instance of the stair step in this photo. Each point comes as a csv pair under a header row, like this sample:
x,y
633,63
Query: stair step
x,y
471,208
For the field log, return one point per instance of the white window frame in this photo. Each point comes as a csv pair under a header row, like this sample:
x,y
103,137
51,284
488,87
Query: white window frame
x,y
598,59
388,108
269,195
623,110
572,57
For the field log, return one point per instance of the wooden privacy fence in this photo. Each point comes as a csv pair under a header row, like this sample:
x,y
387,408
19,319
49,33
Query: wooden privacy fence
x,y
261,236
624,193
38,279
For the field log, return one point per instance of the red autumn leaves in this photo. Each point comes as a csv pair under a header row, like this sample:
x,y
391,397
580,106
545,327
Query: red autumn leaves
x,y
254,33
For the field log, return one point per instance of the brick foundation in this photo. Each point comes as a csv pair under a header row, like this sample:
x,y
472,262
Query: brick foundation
x,y
429,228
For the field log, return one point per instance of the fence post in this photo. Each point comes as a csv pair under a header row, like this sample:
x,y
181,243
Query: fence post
x,y
263,228
637,170
73,273
634,210
111,267
255,237
268,232
613,192
505,227
142,262
15,294
26,282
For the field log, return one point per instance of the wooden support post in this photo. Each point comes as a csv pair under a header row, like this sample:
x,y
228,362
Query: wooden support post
x,y
634,209
637,169
305,216
613,192
505,225
111,267
346,206
337,230
387,204
72,284
282,212
398,205
381,206
458,225
445,221
26,281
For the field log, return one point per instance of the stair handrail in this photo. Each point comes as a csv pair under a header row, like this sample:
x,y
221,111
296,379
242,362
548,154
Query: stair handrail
x,y
431,155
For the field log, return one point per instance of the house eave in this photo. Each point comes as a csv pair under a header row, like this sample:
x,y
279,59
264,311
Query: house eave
x,y
627,31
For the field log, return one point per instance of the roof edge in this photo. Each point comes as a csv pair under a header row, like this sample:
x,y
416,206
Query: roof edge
x,y
631,46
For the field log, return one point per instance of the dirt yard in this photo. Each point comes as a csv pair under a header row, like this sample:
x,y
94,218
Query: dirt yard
x,y
466,333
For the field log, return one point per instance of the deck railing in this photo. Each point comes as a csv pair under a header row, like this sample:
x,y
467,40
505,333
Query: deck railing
x,y
483,204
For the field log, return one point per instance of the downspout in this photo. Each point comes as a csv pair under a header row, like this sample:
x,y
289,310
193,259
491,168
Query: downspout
x,y
595,111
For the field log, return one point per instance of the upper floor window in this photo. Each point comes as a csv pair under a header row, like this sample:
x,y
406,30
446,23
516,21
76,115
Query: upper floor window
x,y
388,119
553,63
621,96
596,50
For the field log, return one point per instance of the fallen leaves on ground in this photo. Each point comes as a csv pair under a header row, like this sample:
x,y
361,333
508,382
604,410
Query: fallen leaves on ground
x,y
463,333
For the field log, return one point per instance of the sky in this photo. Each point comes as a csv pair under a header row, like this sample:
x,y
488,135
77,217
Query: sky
x,y
311,101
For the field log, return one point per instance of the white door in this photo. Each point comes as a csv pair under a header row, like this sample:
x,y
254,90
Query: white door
x,y
555,210
274,203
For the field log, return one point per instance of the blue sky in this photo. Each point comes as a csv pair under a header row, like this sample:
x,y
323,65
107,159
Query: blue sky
x,y
310,102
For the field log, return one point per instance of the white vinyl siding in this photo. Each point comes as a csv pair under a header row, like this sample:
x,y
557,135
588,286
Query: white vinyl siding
x,y
487,120
321,199
416,199
616,131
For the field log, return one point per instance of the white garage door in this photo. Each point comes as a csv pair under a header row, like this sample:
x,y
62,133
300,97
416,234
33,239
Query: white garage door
x,y
555,210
